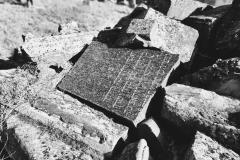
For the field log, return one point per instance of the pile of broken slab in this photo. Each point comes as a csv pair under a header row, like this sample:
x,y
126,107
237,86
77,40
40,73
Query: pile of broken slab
x,y
156,86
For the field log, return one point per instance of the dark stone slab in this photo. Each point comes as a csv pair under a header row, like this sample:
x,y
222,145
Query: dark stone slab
x,y
119,80
206,23
227,39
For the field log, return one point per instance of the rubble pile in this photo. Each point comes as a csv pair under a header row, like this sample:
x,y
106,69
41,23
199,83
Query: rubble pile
x,y
164,83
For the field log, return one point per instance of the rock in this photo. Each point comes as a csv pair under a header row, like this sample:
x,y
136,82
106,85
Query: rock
x,y
205,22
136,151
58,49
161,32
121,81
204,147
226,40
192,109
178,9
28,139
222,77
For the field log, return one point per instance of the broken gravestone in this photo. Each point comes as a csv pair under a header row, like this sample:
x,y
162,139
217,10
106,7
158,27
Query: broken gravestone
x,y
206,148
119,80
158,31
192,109
223,77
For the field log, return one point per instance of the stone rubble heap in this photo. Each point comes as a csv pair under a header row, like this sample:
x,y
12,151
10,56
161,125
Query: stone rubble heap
x,y
156,86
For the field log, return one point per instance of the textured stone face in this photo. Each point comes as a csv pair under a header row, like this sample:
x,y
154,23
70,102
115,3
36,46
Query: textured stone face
x,y
206,148
56,50
204,22
119,80
43,144
162,32
141,27
194,109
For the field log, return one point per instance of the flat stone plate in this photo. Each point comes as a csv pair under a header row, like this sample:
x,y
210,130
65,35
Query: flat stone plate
x,y
119,80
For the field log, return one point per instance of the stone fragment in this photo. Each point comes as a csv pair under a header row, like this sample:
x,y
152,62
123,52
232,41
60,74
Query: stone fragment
x,y
223,77
178,9
28,140
43,103
206,23
138,12
166,34
192,109
58,49
119,80
136,151
226,41
206,148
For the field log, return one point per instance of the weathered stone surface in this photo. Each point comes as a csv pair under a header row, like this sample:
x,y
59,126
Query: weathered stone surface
x,y
41,143
136,151
204,22
226,40
206,148
193,109
138,12
165,33
222,77
58,49
141,27
178,9
120,80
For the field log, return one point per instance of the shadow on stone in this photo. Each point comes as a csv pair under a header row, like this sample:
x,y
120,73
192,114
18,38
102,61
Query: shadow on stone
x,y
75,58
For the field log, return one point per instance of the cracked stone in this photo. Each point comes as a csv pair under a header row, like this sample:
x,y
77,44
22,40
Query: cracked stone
x,y
119,80
192,109
206,148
